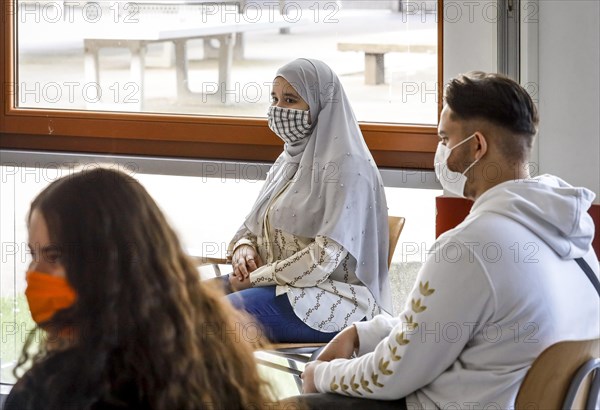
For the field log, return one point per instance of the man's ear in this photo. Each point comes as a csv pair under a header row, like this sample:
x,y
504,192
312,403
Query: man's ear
x,y
482,146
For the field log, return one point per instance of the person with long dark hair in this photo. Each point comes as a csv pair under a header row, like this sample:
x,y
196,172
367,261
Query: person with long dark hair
x,y
126,321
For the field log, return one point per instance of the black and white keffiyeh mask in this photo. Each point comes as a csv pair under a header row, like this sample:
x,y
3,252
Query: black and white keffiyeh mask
x,y
289,124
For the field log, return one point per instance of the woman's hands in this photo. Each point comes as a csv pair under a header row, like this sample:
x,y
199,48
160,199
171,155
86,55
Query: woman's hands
x,y
245,259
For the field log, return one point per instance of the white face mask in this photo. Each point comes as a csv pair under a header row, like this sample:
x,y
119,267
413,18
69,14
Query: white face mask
x,y
453,182
289,124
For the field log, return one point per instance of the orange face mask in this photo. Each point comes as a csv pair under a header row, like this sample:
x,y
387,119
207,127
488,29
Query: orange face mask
x,y
47,294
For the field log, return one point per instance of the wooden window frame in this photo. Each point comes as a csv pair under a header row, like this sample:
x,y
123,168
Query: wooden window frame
x,y
186,136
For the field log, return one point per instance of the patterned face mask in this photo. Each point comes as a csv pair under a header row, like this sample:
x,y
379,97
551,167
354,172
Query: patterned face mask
x,y
289,124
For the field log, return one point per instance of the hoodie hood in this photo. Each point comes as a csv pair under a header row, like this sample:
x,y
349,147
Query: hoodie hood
x,y
551,208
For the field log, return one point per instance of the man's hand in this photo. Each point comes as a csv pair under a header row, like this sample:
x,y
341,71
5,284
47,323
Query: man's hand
x,y
342,346
308,378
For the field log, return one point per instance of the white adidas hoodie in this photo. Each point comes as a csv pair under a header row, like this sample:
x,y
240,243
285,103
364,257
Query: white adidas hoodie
x,y
493,294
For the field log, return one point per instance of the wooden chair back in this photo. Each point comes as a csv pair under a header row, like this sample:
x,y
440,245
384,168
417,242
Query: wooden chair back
x,y
549,378
396,224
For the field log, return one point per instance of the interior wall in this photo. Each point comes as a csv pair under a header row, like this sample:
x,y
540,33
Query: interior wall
x,y
561,69
569,91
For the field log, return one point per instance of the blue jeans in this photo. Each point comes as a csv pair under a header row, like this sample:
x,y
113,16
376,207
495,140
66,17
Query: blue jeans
x,y
276,316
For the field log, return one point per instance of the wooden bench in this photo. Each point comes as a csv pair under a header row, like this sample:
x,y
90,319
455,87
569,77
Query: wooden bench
x,y
137,41
375,50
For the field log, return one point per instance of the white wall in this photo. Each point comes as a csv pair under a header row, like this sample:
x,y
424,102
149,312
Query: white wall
x,y
561,68
569,89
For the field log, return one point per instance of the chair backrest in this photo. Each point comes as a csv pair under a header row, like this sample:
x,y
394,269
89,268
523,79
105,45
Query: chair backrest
x,y
547,383
396,223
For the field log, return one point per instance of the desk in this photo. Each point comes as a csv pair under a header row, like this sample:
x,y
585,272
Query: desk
x,y
136,41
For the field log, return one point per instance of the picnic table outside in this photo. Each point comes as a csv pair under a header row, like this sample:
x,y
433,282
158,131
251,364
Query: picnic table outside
x,y
376,46
138,38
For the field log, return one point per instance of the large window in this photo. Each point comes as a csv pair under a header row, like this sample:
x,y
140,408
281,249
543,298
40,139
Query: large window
x,y
92,77
192,78
108,55
200,199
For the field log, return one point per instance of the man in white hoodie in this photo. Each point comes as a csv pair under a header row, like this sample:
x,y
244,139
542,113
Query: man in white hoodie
x,y
494,292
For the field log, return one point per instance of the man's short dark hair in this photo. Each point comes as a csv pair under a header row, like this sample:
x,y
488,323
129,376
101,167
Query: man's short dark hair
x,y
499,100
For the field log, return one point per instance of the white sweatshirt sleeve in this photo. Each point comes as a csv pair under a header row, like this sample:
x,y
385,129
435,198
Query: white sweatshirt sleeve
x,y
451,300
372,332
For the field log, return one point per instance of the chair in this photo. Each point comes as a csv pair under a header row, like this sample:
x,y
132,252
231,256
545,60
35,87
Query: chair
x,y
566,375
298,352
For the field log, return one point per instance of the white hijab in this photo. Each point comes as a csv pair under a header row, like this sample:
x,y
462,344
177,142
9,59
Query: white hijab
x,y
335,188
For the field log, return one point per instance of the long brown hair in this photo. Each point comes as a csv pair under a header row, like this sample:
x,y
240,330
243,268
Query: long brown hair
x,y
149,334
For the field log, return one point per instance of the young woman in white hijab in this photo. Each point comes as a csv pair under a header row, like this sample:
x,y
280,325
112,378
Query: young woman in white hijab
x,y
311,257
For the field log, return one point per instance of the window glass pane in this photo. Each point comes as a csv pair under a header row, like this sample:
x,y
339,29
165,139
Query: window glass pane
x,y
418,235
157,56
18,187
205,212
